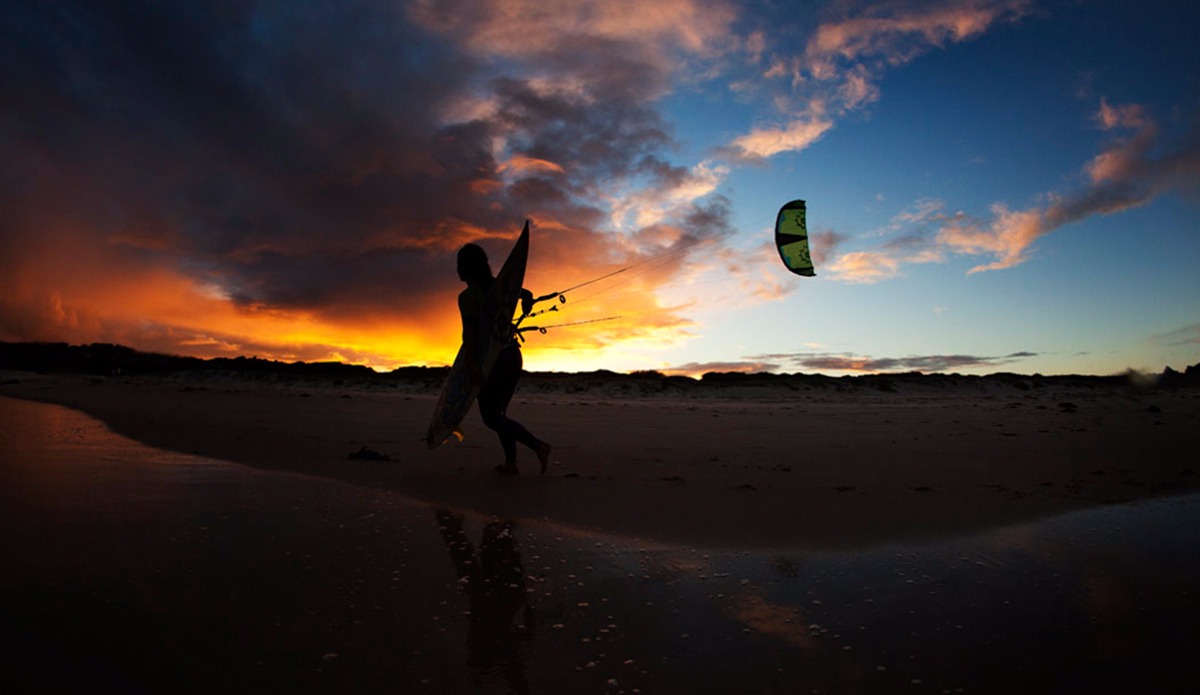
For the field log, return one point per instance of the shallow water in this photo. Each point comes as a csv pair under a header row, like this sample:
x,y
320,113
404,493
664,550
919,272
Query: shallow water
x,y
150,571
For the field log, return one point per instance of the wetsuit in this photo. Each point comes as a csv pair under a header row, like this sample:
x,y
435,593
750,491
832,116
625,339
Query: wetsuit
x,y
501,383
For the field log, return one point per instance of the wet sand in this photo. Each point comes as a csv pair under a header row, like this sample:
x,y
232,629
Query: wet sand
x,y
152,571
737,469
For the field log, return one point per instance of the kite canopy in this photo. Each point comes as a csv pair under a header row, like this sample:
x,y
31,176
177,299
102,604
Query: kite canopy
x,y
791,238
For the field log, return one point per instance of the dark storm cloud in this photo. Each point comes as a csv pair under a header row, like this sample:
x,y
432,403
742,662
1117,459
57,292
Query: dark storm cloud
x,y
296,154
230,135
593,142
590,140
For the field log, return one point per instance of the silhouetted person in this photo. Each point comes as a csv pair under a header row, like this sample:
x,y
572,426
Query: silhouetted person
x,y
494,582
501,383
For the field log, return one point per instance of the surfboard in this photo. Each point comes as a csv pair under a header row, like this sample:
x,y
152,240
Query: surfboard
x,y
495,331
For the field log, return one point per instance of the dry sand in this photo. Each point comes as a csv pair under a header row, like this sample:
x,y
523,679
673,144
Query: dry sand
x,y
152,571
746,468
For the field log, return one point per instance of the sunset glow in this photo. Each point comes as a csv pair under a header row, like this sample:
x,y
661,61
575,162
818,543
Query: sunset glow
x,y
992,184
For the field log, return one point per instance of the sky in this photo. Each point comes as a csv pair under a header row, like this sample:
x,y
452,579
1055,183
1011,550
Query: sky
x,y
992,185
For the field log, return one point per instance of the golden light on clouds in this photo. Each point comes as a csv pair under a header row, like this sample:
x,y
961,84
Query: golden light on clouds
x,y
523,27
294,185
98,298
796,135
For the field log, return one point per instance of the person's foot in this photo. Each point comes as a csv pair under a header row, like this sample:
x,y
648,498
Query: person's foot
x,y
544,457
509,468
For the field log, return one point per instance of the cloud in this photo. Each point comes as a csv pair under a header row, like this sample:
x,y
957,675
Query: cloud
x,y
1007,237
697,369
924,209
1127,174
886,261
1132,170
846,362
1127,116
895,33
676,187
212,142
865,267
1187,335
296,176
843,59
536,28
795,136
824,244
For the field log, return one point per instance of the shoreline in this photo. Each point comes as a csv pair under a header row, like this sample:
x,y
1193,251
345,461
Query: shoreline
x,y
157,571
773,470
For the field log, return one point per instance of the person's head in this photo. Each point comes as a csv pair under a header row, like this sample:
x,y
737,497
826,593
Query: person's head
x,y
473,264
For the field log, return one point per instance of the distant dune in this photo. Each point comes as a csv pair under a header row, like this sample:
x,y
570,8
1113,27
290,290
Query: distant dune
x,y
103,359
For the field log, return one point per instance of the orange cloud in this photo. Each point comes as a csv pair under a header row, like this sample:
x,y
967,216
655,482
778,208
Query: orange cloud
x,y
1126,116
153,308
1008,237
518,28
842,60
1123,176
896,35
325,224
518,165
1121,161
795,136
885,261
865,267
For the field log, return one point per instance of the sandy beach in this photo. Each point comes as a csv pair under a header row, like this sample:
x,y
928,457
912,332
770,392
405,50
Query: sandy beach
x,y
155,571
738,466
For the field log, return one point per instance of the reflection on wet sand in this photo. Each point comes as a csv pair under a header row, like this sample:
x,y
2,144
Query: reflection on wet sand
x,y
500,617
159,572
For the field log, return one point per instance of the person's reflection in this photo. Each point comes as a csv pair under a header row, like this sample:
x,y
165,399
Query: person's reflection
x,y
494,582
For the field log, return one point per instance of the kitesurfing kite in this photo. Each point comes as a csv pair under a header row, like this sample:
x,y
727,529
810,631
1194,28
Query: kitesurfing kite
x,y
791,238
